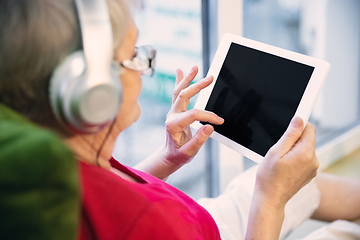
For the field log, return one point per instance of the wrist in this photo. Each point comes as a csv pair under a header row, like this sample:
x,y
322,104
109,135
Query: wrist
x,y
167,158
265,219
271,197
158,165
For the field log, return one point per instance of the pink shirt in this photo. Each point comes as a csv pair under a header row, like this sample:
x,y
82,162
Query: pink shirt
x,y
114,208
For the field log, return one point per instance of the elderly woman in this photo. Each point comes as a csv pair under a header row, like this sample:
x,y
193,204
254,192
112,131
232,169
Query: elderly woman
x,y
119,202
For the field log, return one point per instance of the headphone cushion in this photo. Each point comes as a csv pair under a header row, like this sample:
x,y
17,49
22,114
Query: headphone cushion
x,y
97,105
79,105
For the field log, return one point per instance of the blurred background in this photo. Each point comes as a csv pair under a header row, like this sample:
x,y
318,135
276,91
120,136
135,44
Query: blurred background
x,y
186,33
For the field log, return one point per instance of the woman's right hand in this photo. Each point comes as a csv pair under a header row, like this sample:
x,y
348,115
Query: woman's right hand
x,y
288,166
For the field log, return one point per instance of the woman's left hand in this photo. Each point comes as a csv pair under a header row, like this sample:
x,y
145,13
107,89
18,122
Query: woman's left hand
x,y
181,146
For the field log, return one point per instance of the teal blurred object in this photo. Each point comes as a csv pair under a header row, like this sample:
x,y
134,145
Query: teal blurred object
x,y
39,182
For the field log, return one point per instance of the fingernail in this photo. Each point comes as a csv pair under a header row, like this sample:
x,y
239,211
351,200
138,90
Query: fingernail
x,y
192,70
207,79
221,119
296,122
208,130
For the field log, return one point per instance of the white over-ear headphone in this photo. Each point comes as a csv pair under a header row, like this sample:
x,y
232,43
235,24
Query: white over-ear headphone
x,y
85,90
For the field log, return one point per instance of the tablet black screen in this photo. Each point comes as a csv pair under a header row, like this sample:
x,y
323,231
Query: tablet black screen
x,y
257,94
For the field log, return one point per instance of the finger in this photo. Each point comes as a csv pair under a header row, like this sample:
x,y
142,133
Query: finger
x,y
179,76
309,134
305,149
289,138
184,119
192,147
183,83
182,101
306,142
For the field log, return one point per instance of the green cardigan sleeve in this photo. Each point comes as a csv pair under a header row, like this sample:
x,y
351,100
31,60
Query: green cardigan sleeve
x,y
39,182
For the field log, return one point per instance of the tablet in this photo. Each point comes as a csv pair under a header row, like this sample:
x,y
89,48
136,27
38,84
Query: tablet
x,y
258,89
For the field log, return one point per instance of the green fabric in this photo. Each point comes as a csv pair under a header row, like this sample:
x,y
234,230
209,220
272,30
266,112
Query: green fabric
x,y
39,182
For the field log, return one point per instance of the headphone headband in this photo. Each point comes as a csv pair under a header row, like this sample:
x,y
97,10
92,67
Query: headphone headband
x,y
85,90
96,35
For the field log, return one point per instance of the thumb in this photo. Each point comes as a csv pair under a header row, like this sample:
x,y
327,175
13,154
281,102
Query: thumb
x,y
290,137
197,141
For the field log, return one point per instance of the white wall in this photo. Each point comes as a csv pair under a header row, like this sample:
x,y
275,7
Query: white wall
x,y
341,91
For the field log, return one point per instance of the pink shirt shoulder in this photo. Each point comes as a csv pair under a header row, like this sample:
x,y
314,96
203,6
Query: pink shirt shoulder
x,y
113,208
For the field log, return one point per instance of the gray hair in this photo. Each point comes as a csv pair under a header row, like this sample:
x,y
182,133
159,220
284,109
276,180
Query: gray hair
x,y
35,36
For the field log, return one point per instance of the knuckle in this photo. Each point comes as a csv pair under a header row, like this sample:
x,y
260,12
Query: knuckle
x,y
199,141
168,119
213,115
194,113
175,92
182,94
308,160
293,135
169,125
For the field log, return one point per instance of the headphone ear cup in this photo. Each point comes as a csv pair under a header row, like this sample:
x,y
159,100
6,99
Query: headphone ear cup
x,y
61,80
77,103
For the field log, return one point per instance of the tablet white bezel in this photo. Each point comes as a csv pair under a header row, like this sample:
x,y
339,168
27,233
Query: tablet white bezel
x,y
321,69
